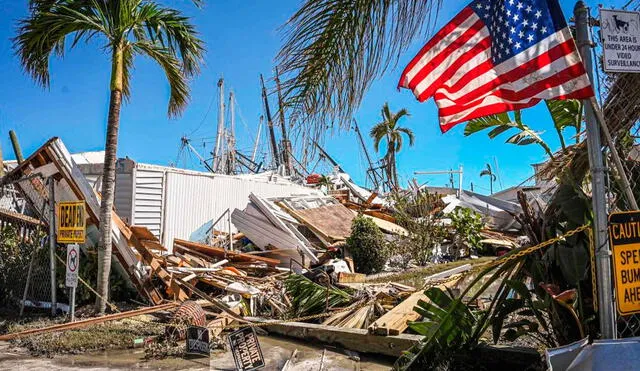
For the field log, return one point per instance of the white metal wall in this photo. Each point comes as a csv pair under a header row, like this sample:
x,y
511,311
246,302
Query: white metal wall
x,y
193,201
147,199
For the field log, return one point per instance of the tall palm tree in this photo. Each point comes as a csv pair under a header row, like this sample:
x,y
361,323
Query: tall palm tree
x,y
128,28
389,131
492,177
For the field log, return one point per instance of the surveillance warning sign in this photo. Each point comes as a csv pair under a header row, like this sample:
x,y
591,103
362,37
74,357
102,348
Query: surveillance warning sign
x,y
620,31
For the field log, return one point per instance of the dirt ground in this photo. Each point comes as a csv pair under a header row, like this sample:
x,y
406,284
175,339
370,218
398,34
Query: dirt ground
x,y
276,351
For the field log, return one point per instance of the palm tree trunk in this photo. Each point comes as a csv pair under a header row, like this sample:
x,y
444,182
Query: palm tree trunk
x,y
108,180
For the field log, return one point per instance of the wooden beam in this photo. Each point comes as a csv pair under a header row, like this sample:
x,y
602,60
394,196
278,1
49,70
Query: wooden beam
x,y
222,254
89,321
358,340
394,322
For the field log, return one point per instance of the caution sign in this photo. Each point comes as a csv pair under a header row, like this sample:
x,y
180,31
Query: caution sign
x,y
246,349
624,234
73,263
620,40
71,222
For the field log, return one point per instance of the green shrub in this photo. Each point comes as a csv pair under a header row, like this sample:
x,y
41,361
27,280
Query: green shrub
x,y
367,246
467,225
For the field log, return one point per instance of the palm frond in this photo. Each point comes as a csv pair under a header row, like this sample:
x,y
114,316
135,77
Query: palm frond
x,y
409,133
377,133
179,95
565,114
169,29
41,35
502,123
334,49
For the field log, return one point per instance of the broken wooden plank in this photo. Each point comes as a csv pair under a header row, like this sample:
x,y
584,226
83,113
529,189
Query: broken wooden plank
x,y
222,254
353,339
448,273
89,321
396,320
344,277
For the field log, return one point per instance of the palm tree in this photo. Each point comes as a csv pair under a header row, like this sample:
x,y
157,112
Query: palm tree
x,y
492,177
389,131
128,28
334,49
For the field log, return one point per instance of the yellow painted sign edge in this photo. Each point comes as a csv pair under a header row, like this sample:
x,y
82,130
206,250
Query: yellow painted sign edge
x,y
613,262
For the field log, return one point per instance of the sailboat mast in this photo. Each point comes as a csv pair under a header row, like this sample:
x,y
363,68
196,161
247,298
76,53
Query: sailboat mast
x,y
272,135
232,139
216,150
286,145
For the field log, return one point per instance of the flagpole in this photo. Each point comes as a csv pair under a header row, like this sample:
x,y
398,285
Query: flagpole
x,y
596,164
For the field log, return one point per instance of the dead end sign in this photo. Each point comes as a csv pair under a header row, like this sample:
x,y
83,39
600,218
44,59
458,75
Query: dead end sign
x,y
624,234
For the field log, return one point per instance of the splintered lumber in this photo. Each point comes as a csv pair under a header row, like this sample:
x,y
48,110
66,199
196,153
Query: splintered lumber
x,y
220,253
344,277
349,338
89,321
394,322
448,273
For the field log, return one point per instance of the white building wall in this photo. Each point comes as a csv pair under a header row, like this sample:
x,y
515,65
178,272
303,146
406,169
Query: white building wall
x,y
176,203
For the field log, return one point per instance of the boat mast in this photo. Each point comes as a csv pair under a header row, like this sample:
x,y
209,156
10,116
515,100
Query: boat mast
x,y
272,135
286,145
255,145
217,149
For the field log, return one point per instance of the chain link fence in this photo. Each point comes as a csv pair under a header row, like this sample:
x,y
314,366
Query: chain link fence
x,y
619,95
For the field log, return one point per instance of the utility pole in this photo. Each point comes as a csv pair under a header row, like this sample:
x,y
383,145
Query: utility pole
x,y
450,172
16,146
217,149
272,135
371,173
596,164
232,139
286,145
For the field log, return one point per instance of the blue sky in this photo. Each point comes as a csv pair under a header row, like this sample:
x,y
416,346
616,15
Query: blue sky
x,y
242,40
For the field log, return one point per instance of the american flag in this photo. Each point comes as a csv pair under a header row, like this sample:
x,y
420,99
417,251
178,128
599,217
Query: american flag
x,y
497,56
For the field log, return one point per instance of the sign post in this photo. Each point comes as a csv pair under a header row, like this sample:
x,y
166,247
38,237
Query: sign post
x,y
620,40
71,221
71,279
624,233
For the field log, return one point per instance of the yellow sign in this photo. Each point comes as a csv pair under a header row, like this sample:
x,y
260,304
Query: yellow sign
x,y
71,222
624,234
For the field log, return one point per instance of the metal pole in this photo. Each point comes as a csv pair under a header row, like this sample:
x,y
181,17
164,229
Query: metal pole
x,y
596,163
460,182
52,244
232,141
73,304
216,150
257,141
230,234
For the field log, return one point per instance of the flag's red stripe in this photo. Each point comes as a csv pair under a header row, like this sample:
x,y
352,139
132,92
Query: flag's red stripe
x,y
473,74
557,79
495,108
444,31
544,59
480,47
458,44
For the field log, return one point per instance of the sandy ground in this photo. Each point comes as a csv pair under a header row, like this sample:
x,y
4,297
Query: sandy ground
x,y
276,351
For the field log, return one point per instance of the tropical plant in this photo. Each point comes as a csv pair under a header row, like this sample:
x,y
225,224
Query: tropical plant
x,y
389,131
416,213
308,297
128,28
564,114
334,49
367,246
467,225
492,177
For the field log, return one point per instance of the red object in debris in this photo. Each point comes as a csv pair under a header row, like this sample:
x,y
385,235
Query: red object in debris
x,y
314,178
